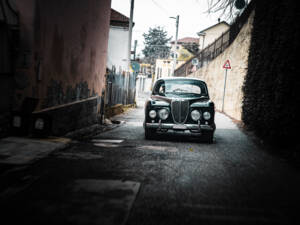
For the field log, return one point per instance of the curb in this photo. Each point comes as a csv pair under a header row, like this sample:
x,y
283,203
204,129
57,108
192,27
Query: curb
x,y
117,109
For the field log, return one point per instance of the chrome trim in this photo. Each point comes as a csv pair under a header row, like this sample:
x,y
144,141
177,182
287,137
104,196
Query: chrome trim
x,y
170,126
180,110
159,103
200,104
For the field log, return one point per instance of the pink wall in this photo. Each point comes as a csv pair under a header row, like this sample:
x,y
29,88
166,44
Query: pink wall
x,y
64,44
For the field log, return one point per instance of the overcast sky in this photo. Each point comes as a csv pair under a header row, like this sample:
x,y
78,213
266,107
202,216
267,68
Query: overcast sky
x,y
150,13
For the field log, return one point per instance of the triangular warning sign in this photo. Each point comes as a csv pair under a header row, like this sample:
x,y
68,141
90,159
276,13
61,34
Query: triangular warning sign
x,y
227,65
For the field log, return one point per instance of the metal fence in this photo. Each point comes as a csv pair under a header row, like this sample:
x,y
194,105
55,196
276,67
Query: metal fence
x,y
218,46
120,89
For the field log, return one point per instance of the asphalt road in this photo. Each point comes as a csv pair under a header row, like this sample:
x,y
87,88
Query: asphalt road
x,y
118,177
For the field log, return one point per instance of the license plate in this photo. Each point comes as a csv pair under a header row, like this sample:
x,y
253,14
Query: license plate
x,y
179,126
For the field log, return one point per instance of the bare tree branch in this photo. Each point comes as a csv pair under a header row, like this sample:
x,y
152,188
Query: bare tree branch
x,y
226,7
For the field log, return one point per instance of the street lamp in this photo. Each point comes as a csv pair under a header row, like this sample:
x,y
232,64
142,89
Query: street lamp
x,y
202,34
176,37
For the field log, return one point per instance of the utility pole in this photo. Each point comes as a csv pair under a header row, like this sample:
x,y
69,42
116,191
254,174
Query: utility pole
x,y
135,44
130,32
176,37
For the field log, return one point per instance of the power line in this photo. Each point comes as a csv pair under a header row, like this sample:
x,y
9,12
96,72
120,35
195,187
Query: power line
x,y
161,8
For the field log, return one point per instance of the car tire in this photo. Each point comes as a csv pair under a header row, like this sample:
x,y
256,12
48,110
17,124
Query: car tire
x,y
208,137
149,133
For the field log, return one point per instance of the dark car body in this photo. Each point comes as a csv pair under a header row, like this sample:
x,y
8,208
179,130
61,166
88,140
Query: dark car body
x,y
187,100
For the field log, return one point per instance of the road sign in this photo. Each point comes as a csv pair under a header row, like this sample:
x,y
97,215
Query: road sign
x,y
227,65
135,66
195,61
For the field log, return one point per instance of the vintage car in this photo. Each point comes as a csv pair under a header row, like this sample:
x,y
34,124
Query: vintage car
x,y
180,104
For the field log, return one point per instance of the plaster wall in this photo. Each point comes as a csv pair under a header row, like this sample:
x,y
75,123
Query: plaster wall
x,y
118,48
63,50
62,59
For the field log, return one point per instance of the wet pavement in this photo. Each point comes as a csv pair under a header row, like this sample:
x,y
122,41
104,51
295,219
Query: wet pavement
x,y
118,177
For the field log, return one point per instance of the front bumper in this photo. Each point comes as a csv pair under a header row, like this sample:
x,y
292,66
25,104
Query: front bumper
x,y
171,126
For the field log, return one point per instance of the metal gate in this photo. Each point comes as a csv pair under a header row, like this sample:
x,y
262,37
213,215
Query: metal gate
x,y
120,89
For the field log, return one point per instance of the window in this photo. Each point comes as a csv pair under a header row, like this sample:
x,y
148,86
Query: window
x,y
180,88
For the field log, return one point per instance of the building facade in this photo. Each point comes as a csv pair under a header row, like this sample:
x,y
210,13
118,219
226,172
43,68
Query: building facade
x,y
210,34
60,59
164,67
120,87
117,58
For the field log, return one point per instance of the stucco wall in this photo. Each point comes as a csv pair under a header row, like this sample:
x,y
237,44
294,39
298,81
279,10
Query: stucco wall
x,y
118,48
212,34
62,59
64,44
214,74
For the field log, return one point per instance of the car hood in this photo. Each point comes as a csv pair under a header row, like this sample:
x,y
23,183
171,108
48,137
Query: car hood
x,y
197,102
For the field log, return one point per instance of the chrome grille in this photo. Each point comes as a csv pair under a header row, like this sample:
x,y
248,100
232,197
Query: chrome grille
x,y
180,110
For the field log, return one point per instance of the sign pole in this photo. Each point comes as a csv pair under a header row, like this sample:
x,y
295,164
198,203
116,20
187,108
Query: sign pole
x,y
224,90
226,66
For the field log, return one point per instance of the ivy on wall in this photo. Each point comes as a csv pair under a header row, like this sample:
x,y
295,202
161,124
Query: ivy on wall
x,y
271,87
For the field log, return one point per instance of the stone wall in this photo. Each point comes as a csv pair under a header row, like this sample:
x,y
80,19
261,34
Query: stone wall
x,y
214,74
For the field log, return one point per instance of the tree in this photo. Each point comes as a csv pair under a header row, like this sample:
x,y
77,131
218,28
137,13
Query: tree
x,y
192,47
226,7
155,42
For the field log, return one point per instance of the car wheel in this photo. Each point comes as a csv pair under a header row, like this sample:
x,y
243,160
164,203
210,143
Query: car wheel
x,y
208,137
149,133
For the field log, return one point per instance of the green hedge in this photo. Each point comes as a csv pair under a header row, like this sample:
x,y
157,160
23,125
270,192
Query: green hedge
x,y
271,88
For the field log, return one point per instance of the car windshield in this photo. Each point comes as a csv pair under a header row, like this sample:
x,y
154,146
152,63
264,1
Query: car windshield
x,y
185,88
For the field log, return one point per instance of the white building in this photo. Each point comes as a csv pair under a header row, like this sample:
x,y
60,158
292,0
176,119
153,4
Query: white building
x,y
117,57
164,67
210,34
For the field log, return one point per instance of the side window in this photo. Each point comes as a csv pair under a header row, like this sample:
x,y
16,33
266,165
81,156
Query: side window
x,y
159,88
162,90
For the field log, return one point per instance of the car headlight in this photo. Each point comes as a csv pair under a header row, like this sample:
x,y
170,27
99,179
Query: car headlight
x,y
206,115
152,114
196,115
163,114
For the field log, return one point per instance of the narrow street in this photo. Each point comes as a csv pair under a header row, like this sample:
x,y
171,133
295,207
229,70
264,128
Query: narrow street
x,y
118,177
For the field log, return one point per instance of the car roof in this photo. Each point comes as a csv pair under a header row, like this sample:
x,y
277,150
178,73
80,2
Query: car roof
x,y
180,78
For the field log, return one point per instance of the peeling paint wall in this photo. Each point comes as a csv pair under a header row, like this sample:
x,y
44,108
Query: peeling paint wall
x,y
62,58
214,73
64,44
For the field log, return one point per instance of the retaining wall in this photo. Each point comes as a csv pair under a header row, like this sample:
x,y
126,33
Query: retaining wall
x,y
214,74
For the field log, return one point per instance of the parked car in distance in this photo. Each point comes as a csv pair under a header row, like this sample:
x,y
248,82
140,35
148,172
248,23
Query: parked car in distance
x,y
180,104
